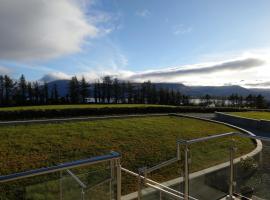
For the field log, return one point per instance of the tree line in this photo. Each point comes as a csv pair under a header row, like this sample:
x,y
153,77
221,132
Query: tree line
x,y
235,100
112,90
108,90
22,92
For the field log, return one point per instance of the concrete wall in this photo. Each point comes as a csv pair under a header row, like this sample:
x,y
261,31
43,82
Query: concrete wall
x,y
263,125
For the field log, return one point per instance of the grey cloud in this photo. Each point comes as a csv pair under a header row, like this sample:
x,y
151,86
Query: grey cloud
x,y
42,29
236,65
261,84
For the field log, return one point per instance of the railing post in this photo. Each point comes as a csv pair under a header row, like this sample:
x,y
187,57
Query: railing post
x,y
61,185
82,194
118,179
231,185
139,187
186,174
112,181
142,172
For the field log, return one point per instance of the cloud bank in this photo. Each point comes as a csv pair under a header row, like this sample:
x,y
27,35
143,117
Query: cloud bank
x,y
42,29
203,73
235,65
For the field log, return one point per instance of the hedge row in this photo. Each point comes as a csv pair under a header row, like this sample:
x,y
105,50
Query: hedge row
x,y
76,112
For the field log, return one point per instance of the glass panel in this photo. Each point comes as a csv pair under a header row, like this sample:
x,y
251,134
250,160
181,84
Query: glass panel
x,y
36,188
88,183
154,194
209,169
253,174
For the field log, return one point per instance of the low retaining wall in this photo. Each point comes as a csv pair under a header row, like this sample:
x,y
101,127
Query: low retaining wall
x,y
263,125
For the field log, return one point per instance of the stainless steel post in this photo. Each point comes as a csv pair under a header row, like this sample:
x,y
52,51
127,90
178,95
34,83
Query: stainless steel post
x,y
186,175
231,186
82,194
61,185
118,179
139,187
112,181
178,152
141,173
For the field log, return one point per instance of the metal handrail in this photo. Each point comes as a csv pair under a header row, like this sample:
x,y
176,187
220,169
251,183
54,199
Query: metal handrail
x,y
186,144
60,167
158,186
202,139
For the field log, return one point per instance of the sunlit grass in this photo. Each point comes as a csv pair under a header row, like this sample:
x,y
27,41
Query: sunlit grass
x,y
253,115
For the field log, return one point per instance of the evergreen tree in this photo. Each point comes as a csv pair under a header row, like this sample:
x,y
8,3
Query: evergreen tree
x,y
46,92
74,90
130,92
116,90
123,92
2,88
84,90
260,102
9,84
30,92
22,90
36,93
107,88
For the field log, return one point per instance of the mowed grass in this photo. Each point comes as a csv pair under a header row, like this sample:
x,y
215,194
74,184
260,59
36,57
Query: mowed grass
x,y
253,115
79,106
143,141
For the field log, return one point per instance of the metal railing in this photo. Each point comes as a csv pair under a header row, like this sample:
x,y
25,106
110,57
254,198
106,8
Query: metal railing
x,y
143,180
113,158
142,176
186,144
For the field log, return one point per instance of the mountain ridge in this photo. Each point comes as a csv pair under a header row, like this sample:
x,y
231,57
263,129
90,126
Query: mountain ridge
x,y
194,91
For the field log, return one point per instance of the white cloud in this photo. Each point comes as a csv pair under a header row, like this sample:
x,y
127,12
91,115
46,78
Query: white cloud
x,y
42,29
4,70
55,76
143,13
181,29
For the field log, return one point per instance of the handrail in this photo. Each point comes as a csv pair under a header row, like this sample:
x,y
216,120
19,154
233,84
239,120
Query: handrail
x,y
159,186
206,138
202,139
60,167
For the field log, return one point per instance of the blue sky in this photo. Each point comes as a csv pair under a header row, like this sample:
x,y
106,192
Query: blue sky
x,y
138,40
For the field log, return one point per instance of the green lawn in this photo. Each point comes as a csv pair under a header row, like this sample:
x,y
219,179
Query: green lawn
x,y
143,141
253,115
78,106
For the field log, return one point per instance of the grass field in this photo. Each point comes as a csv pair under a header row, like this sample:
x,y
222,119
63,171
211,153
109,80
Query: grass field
x,y
253,115
78,106
144,141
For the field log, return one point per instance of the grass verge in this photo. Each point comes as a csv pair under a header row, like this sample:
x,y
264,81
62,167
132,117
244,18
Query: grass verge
x,y
142,141
253,115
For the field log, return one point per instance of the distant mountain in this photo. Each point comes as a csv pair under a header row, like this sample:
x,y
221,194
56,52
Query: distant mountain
x,y
194,91
62,86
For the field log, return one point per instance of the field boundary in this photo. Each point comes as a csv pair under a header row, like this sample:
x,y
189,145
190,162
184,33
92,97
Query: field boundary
x,y
257,124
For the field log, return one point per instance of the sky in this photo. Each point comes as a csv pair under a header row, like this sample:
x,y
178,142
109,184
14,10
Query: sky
x,y
209,42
